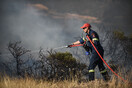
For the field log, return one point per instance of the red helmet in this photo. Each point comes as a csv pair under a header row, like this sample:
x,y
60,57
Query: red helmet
x,y
86,25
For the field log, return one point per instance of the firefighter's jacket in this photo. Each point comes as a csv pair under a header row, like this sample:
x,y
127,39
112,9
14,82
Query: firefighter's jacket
x,y
95,39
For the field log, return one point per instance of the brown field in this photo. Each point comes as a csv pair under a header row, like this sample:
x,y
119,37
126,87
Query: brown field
x,y
8,82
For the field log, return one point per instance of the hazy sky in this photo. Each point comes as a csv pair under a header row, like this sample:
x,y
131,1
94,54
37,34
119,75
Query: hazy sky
x,y
21,22
53,23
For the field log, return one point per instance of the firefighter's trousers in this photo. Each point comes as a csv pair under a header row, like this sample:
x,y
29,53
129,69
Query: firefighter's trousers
x,y
94,61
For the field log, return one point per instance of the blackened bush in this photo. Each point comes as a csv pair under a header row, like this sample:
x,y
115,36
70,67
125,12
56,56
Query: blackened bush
x,y
62,65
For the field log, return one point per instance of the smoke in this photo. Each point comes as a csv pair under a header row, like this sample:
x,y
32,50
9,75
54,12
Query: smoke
x,y
52,24
110,12
36,27
23,22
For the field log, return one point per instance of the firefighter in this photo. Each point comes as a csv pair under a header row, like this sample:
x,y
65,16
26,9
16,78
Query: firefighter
x,y
94,59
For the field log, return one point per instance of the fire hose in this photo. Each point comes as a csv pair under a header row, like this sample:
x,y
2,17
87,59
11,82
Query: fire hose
x,y
99,56
104,60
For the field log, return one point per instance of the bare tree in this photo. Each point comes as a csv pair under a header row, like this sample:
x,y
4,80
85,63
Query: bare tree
x,y
17,51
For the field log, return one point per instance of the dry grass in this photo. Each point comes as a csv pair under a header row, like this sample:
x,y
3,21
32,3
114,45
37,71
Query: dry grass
x,y
7,82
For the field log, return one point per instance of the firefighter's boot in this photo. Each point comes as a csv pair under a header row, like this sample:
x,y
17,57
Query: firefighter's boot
x,y
105,75
91,75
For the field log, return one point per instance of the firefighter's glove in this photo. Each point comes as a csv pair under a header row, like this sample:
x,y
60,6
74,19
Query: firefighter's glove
x,y
87,53
86,47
